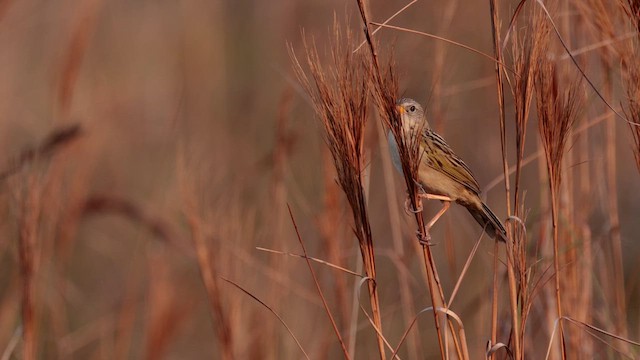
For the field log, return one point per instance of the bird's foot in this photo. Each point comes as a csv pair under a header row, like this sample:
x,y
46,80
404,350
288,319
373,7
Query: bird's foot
x,y
408,208
424,239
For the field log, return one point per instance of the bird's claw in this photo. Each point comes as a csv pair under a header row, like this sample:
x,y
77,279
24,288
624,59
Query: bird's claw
x,y
424,239
408,208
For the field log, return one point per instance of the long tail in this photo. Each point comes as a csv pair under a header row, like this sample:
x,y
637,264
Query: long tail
x,y
488,220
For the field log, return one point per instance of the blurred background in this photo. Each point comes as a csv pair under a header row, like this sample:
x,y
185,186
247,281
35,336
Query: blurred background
x,y
189,136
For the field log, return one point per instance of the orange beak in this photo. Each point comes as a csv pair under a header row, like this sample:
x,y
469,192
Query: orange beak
x,y
400,109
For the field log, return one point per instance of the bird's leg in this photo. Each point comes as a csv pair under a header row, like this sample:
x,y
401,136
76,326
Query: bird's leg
x,y
425,239
445,207
435,197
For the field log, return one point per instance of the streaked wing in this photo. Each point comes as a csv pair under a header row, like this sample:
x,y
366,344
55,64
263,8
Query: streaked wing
x,y
439,156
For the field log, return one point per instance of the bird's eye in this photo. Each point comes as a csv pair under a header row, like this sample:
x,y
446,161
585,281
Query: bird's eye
x,y
412,108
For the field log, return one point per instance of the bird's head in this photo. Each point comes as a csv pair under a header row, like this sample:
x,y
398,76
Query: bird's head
x,y
411,115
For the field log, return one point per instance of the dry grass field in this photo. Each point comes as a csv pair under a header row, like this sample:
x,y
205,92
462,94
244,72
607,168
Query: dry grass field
x,y
211,179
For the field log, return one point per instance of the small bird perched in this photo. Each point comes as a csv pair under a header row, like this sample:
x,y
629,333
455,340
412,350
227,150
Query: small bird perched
x,y
441,172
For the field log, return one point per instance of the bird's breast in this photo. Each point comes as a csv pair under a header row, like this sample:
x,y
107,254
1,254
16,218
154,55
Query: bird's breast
x,y
437,183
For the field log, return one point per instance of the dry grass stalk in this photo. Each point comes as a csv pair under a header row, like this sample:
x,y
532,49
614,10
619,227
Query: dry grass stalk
x,y
631,80
82,32
557,106
167,311
499,68
273,312
528,46
339,96
208,271
602,15
385,92
30,199
399,255
331,227
317,284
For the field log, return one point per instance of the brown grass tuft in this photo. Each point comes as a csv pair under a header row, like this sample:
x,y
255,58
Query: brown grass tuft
x,y
557,105
631,75
340,99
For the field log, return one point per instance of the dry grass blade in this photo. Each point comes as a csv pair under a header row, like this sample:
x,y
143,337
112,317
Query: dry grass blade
x,y
56,139
339,96
601,331
591,330
491,350
406,332
380,26
319,261
364,311
272,311
13,343
106,203
315,281
467,263
466,47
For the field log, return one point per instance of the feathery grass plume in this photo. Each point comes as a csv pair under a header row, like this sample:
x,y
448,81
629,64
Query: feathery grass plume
x,y
631,75
339,94
632,110
529,43
557,106
632,10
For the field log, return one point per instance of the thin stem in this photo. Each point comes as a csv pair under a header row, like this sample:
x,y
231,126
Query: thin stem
x,y
315,281
556,257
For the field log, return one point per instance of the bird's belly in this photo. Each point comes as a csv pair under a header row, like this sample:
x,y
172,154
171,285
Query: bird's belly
x,y
437,183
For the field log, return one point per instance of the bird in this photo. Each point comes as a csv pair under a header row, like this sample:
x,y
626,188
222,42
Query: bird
x,y
441,173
